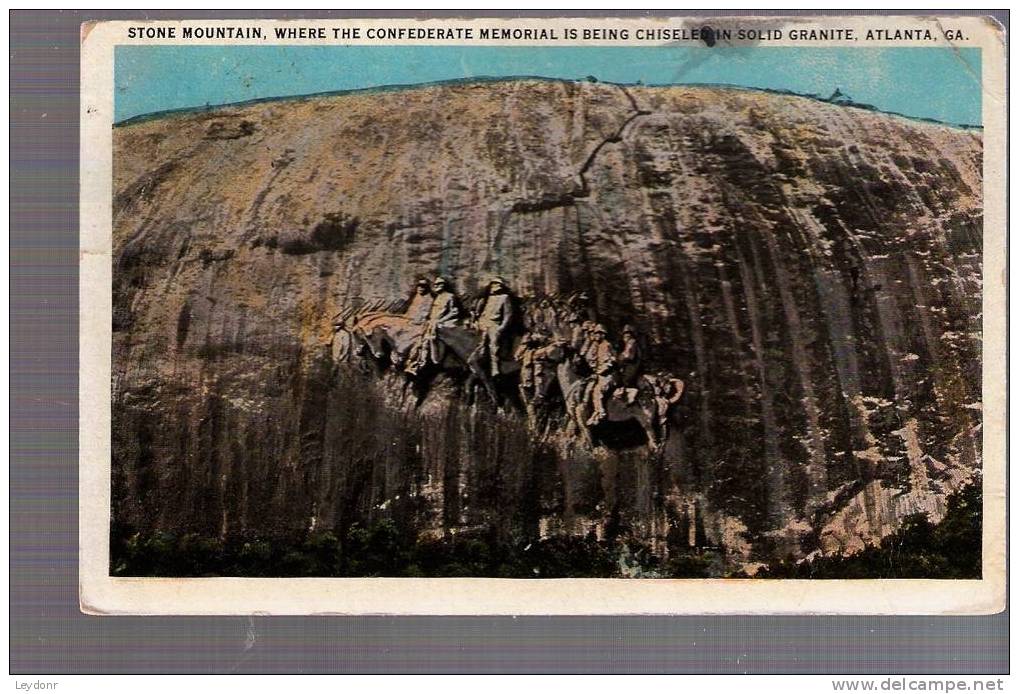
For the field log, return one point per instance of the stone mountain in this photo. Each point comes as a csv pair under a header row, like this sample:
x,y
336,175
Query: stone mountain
x,y
812,270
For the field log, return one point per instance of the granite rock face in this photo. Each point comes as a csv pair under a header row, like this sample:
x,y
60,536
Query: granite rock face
x,y
813,271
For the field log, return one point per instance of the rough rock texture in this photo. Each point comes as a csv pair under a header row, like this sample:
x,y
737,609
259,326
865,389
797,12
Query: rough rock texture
x,y
812,270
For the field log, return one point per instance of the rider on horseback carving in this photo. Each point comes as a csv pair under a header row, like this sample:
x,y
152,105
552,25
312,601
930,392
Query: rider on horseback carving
x,y
444,313
494,321
603,362
420,303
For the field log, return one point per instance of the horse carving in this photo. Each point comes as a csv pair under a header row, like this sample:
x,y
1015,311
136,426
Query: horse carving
x,y
649,404
391,339
650,407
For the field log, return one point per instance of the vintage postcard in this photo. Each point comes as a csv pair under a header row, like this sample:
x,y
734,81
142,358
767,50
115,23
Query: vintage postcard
x,y
543,316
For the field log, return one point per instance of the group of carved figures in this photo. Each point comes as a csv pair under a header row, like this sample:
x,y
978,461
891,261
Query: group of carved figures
x,y
546,345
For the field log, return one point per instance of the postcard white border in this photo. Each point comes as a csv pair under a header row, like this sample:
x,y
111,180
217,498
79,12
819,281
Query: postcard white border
x,y
103,594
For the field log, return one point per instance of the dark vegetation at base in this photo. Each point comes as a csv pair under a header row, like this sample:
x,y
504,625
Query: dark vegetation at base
x,y
950,549
920,549
377,550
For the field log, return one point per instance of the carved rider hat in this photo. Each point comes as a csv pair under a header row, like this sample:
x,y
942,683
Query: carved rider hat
x,y
422,283
440,282
600,330
629,329
497,280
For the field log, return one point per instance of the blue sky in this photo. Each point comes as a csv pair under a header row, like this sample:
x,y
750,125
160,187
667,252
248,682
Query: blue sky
x,y
939,83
